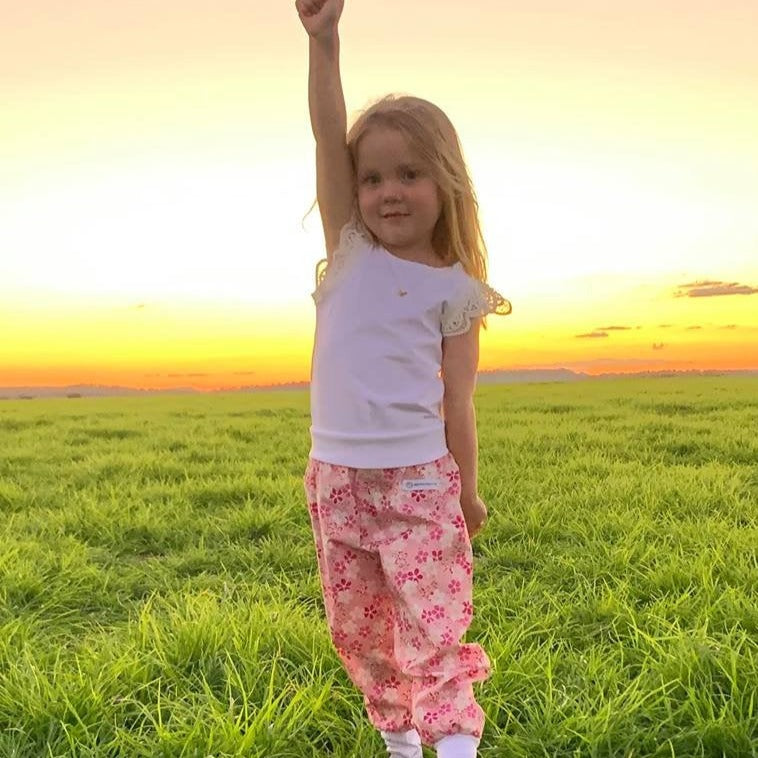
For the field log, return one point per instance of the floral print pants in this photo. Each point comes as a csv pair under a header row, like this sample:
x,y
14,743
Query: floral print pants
x,y
396,569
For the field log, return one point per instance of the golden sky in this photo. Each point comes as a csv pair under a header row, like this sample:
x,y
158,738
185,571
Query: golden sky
x,y
156,163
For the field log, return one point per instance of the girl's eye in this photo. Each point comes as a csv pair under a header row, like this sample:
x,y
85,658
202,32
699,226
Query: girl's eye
x,y
371,179
410,174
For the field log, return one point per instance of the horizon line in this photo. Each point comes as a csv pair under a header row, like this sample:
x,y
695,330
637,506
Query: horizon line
x,y
578,375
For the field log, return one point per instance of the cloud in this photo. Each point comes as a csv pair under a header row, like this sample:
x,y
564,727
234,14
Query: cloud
x,y
591,334
690,328
658,346
179,376
244,373
614,328
714,289
729,326
665,326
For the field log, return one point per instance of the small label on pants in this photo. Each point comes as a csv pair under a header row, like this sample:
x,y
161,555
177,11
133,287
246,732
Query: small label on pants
x,y
411,485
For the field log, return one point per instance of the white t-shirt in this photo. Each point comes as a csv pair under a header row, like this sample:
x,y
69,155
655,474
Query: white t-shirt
x,y
376,388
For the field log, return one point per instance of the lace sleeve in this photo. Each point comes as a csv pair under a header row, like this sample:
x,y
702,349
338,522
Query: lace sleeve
x,y
351,237
478,299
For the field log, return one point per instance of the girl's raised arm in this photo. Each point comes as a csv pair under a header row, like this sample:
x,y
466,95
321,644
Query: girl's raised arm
x,y
334,168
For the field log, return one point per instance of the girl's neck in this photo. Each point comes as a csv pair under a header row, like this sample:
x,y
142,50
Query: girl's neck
x,y
426,255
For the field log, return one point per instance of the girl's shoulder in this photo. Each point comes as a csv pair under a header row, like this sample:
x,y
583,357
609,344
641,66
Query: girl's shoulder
x,y
471,298
353,238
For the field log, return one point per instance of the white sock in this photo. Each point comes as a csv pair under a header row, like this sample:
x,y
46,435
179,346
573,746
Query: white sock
x,y
403,744
457,746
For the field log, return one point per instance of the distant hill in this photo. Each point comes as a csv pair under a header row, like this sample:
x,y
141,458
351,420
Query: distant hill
x,y
84,390
525,376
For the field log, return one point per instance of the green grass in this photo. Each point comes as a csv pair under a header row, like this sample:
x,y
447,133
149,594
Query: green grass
x,y
159,594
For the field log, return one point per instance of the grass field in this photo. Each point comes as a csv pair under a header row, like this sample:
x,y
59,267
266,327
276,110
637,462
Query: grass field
x,y
159,594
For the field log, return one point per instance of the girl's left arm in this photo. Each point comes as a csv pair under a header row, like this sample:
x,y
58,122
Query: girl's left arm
x,y
460,360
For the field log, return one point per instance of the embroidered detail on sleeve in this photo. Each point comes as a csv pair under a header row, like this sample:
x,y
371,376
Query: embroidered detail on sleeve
x,y
479,300
351,236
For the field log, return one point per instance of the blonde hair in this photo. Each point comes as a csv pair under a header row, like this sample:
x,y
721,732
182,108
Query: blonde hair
x,y
457,235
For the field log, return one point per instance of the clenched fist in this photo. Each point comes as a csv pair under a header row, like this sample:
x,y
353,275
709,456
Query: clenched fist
x,y
475,515
319,16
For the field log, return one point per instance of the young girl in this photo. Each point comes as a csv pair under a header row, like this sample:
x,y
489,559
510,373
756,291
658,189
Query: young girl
x,y
391,479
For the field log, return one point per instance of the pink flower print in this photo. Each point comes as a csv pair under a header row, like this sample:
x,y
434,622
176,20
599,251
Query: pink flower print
x,y
337,495
422,556
313,508
454,586
445,708
414,576
405,576
355,646
468,608
370,611
340,567
467,654
447,637
364,632
340,637
405,534
404,625
408,508
392,683
433,613
418,495
435,660
342,584
430,717
454,476
427,591
371,510
364,533
350,520
459,522
350,556
416,643
436,555
428,681
436,534
463,562
471,712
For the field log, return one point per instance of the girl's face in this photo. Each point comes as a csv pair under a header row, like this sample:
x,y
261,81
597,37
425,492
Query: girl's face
x,y
397,197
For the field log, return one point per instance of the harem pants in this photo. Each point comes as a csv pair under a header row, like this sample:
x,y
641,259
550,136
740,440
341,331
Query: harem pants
x,y
396,569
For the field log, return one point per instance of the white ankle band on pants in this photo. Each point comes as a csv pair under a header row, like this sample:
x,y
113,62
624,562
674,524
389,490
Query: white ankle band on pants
x,y
457,746
403,744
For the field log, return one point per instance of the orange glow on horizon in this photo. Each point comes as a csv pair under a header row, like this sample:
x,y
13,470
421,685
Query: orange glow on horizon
x,y
158,163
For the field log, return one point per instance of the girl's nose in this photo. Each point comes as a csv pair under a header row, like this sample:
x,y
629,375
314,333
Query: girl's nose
x,y
391,191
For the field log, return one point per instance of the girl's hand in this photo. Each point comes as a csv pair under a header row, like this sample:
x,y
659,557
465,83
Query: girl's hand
x,y
474,513
319,16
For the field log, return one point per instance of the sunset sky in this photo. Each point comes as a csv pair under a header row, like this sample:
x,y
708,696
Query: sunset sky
x,y
156,165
